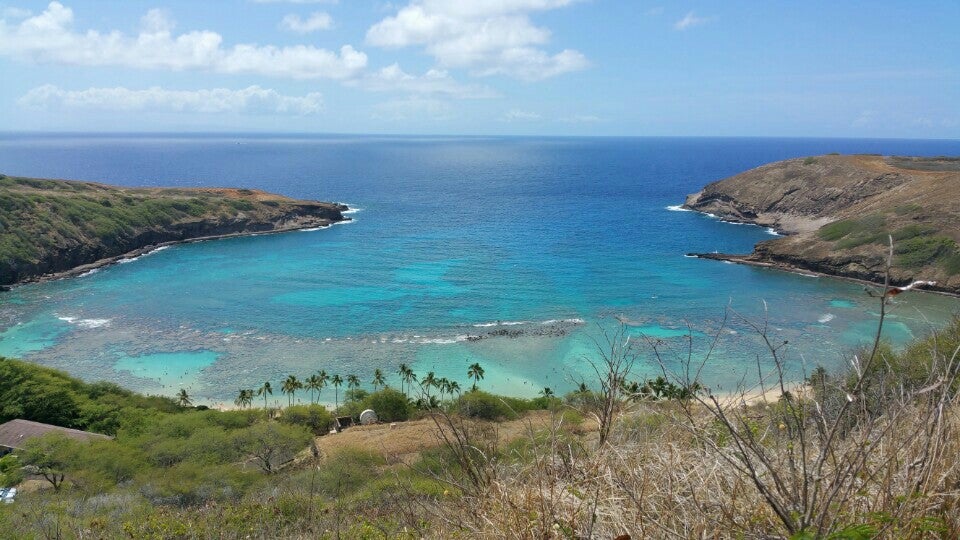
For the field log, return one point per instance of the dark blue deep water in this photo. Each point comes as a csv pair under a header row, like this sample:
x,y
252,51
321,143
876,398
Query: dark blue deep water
x,y
455,237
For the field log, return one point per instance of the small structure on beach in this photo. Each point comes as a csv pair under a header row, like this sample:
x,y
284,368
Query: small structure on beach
x,y
15,433
368,417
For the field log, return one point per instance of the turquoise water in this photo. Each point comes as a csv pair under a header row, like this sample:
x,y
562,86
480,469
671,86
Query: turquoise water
x,y
514,253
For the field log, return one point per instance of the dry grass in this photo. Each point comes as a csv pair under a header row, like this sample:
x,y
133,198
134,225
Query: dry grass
x,y
659,478
872,453
406,441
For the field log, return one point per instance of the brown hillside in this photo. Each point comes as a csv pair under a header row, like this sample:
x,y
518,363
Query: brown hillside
x,y
50,227
838,213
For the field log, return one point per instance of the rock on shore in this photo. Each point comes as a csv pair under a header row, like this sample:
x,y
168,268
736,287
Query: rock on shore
x,y
838,212
53,228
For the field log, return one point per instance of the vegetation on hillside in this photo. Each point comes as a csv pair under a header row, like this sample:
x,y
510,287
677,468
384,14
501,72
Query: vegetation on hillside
x,y
838,211
869,452
917,245
54,225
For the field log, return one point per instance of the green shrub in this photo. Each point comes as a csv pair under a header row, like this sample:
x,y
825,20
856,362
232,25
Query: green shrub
x,y
389,404
836,230
867,229
583,399
924,250
912,231
483,405
271,444
314,417
951,263
242,205
11,471
348,470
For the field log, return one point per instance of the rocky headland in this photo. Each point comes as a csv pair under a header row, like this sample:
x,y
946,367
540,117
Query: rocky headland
x,y
57,228
838,212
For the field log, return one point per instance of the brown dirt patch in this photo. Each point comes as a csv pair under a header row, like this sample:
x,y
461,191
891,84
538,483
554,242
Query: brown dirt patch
x,y
405,440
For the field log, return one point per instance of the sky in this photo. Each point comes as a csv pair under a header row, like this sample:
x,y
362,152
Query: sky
x,y
483,67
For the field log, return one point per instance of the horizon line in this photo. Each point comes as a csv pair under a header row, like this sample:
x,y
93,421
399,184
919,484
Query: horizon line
x,y
256,133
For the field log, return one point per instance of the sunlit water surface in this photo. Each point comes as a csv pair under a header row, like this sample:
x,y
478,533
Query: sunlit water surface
x,y
455,238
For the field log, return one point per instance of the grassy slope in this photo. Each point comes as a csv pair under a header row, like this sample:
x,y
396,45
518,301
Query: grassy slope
x,y
54,225
841,210
181,473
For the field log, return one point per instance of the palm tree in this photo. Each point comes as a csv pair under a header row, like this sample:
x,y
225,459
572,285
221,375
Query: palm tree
x,y
406,375
313,384
324,378
428,382
244,398
353,382
401,371
378,379
290,387
453,387
183,398
475,372
444,386
336,381
546,392
263,391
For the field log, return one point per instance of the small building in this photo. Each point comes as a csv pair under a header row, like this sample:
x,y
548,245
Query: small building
x,y
341,423
15,433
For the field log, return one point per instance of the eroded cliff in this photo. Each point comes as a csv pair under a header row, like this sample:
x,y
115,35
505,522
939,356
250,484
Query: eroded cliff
x,y
839,212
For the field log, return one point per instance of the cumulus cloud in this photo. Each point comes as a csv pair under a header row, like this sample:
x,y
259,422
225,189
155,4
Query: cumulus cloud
x,y
14,13
49,38
689,21
515,115
250,100
487,36
435,82
318,20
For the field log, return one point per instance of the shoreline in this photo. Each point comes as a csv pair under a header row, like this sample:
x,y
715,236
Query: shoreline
x,y
749,260
746,260
77,271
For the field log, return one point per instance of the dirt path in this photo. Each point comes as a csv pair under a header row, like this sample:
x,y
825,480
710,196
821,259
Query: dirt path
x,y
405,440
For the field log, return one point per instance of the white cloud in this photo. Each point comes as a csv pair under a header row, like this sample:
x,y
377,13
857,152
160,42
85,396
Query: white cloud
x,y
318,20
14,13
434,82
689,21
49,38
519,115
250,100
487,36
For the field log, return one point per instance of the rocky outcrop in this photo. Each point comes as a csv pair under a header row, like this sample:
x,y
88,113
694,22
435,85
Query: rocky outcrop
x,y
839,213
54,228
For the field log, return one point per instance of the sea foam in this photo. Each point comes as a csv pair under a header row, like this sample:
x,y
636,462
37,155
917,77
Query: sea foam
x,y
85,323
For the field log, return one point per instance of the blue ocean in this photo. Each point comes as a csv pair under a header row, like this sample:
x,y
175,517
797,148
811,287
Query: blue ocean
x,y
517,253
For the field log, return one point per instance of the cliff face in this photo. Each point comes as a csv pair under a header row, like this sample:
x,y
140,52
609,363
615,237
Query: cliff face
x,y
838,213
54,226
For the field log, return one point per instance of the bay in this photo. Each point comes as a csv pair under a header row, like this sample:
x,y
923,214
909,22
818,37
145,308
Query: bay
x,y
454,239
